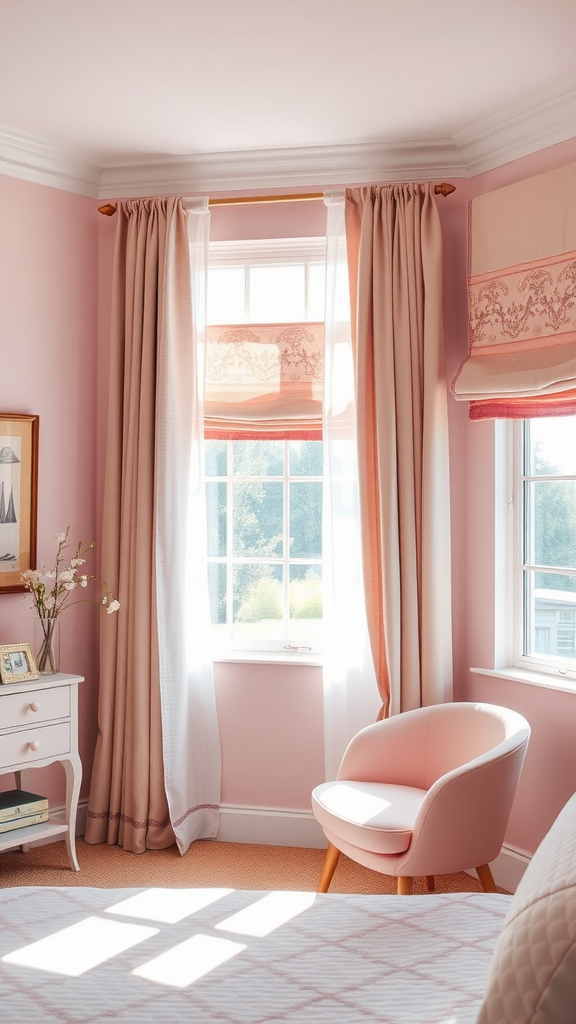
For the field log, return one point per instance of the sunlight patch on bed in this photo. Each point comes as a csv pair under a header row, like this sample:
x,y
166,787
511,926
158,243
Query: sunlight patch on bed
x,y
190,960
267,914
79,948
167,906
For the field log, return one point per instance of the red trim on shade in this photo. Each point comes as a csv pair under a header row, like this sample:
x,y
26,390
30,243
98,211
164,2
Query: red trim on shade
x,y
214,434
524,408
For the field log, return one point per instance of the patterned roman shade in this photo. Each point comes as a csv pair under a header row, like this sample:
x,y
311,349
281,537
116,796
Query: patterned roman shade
x,y
264,380
522,300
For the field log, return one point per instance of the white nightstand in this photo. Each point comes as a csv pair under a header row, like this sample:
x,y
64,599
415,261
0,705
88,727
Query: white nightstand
x,y
39,725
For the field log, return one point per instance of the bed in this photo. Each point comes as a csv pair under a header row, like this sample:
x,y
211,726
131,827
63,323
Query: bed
x,y
223,956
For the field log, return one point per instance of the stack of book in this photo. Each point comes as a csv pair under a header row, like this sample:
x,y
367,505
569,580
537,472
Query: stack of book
x,y
19,808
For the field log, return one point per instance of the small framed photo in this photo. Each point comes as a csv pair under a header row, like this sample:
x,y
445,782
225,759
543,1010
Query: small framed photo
x,y
17,664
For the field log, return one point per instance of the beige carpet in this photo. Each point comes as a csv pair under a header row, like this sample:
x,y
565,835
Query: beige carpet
x,y
206,863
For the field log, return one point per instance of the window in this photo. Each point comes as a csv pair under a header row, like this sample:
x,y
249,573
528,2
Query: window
x,y
264,505
264,494
546,543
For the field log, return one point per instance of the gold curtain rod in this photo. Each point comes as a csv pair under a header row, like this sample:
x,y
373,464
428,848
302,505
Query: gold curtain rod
x,y
109,209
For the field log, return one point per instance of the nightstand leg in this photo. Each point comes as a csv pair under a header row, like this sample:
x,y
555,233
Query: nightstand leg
x,y
73,769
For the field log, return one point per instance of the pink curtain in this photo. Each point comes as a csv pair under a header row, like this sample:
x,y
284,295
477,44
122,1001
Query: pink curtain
x,y
128,802
395,266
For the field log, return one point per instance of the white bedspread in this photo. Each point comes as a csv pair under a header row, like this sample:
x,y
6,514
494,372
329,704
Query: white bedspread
x,y
186,956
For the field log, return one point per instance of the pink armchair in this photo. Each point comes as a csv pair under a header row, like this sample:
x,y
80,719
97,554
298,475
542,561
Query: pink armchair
x,y
426,793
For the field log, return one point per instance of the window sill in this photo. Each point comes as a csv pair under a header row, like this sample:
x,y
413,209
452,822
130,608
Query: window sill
x,y
521,675
268,658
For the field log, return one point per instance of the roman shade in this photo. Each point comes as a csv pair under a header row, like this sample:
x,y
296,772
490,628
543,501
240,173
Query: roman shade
x,y
264,380
522,300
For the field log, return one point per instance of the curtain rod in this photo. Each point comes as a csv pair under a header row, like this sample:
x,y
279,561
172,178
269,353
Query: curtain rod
x,y
109,209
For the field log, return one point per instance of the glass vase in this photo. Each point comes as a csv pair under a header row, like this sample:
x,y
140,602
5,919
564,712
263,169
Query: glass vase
x,y
47,645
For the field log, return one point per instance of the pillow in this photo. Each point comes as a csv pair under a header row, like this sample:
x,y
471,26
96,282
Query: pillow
x,y
532,974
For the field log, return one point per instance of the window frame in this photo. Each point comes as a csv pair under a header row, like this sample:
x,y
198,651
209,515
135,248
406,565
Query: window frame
x,y
551,665
267,252
287,644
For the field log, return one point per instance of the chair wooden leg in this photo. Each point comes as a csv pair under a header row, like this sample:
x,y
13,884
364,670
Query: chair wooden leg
x,y
330,862
486,880
404,885
430,883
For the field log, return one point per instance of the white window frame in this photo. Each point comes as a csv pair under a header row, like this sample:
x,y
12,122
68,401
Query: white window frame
x,y
291,645
269,252
551,665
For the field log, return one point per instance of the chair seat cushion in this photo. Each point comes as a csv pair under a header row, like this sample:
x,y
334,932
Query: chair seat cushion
x,y
369,815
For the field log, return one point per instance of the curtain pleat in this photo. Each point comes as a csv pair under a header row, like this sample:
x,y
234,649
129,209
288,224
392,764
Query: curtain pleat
x,y
192,761
128,803
395,260
349,683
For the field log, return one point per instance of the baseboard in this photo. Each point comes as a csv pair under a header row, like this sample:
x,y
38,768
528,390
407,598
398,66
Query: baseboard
x,y
274,826
270,826
509,866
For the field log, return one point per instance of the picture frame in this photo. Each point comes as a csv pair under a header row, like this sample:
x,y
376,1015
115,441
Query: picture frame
x,y
17,664
18,498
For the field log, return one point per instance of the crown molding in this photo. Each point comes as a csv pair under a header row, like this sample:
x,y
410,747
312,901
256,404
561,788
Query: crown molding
x,y
517,131
47,163
283,168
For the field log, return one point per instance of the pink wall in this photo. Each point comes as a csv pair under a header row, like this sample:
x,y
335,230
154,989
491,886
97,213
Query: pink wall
x,y
48,319
549,775
55,261
270,719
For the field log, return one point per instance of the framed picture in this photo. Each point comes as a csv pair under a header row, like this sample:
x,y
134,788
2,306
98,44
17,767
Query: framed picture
x,y
17,664
18,498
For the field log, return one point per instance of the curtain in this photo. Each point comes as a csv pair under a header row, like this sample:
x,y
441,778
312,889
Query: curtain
x,y
192,760
521,361
350,691
395,263
150,316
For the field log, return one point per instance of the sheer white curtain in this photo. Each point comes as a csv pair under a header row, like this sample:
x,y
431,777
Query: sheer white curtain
x,y
351,698
191,747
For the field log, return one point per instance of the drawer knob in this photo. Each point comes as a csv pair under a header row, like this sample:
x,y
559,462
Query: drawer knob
x,y
34,706
34,745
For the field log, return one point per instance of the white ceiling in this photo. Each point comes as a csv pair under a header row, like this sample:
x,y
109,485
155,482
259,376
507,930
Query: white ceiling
x,y
226,94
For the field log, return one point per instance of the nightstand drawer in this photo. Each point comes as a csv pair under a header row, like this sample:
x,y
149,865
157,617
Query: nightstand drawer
x,y
34,744
33,707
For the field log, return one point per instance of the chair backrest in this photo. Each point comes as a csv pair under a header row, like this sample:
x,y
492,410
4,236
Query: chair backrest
x,y
418,747
471,782
461,732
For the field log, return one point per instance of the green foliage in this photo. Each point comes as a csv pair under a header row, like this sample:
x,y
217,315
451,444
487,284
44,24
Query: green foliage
x,y
306,598
263,600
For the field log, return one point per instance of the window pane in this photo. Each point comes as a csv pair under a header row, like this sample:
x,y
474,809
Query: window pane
x,y
215,458
551,614
216,518
217,590
258,519
551,447
277,294
305,520
305,602
305,458
226,295
316,291
551,508
258,458
259,601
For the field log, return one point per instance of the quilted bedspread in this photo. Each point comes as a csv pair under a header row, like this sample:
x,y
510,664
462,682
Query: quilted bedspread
x,y
198,956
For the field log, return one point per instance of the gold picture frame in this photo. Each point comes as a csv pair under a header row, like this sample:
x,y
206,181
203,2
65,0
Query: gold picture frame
x,y
17,664
18,498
